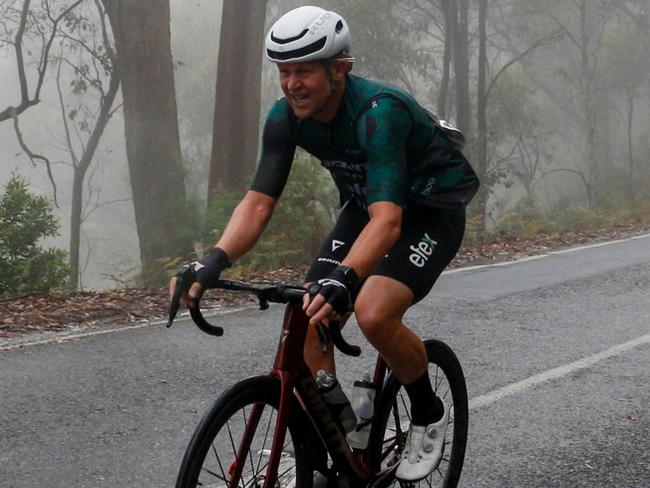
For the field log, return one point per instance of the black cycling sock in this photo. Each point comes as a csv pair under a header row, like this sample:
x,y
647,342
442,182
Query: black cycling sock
x,y
426,407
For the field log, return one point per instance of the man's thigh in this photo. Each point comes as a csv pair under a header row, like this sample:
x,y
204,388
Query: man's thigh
x,y
428,242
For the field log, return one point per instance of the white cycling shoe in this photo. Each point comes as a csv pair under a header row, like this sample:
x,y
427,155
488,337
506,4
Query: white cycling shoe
x,y
423,449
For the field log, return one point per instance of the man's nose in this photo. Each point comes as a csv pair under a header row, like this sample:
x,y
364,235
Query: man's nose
x,y
293,83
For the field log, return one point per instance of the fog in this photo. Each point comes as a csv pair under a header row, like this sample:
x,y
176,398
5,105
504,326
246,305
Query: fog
x,y
543,109
110,253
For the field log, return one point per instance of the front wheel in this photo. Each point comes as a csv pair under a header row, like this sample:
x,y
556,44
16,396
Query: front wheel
x,y
393,418
245,415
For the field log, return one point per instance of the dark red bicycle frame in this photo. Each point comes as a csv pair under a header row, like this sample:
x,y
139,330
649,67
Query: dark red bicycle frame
x,y
294,376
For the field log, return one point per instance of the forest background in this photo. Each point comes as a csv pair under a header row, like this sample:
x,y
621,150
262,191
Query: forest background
x,y
130,129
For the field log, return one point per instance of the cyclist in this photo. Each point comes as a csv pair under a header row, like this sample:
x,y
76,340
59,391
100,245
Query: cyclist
x,y
403,185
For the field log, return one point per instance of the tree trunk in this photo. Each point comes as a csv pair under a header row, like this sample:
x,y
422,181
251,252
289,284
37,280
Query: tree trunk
x,y
481,114
237,101
630,155
591,161
142,36
443,93
80,171
75,227
460,52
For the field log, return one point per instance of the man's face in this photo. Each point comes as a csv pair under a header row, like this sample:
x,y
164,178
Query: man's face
x,y
307,88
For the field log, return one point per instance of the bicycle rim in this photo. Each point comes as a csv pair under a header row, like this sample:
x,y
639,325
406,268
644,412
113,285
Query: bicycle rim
x,y
250,408
393,420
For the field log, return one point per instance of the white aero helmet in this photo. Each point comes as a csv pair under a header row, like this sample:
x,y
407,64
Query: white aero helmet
x,y
307,34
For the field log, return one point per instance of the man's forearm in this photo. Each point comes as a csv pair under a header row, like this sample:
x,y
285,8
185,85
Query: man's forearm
x,y
246,225
376,239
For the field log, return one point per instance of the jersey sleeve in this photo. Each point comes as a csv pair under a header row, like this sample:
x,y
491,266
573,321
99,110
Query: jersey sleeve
x,y
278,149
382,131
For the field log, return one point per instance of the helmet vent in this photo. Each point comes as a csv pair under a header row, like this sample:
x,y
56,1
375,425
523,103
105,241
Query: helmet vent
x,y
339,26
297,53
289,39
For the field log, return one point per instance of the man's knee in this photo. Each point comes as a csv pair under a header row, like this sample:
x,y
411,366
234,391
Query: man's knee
x,y
377,322
370,321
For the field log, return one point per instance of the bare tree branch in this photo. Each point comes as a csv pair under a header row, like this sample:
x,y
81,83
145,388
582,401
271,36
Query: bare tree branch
x,y
75,160
553,37
32,156
24,91
25,100
88,213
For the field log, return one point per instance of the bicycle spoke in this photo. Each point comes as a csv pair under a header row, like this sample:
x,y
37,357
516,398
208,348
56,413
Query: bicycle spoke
x,y
241,437
250,451
445,387
266,437
288,470
221,478
268,453
216,455
232,443
407,410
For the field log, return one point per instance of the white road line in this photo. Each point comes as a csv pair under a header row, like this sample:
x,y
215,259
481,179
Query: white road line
x,y
551,374
600,244
545,255
495,265
59,338
66,337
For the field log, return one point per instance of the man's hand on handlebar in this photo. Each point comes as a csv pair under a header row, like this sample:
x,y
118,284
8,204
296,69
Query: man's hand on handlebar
x,y
198,276
189,298
330,296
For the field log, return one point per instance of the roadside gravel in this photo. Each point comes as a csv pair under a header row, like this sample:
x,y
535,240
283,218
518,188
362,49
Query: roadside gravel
x,y
53,313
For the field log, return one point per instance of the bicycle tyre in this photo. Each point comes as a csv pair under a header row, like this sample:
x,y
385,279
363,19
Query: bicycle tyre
x,y
388,436
219,433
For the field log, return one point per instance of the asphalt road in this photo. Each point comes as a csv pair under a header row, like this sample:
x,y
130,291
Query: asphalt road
x,y
556,351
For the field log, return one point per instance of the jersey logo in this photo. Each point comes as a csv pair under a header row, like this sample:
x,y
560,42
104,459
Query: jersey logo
x,y
336,244
447,125
374,104
422,251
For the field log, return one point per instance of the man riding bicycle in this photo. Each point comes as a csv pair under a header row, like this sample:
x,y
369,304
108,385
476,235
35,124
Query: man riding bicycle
x,y
404,185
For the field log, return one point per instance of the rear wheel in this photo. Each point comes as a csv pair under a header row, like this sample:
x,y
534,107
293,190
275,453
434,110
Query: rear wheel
x,y
394,416
210,459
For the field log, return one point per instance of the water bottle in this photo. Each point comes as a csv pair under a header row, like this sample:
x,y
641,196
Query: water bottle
x,y
363,404
336,399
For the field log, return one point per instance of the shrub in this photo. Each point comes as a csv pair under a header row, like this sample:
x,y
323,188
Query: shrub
x,y
25,219
301,221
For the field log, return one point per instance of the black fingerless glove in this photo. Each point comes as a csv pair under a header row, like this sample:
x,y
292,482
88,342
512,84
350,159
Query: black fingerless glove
x,y
210,267
337,288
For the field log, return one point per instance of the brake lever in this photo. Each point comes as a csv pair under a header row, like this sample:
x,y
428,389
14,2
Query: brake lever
x,y
323,335
184,280
263,300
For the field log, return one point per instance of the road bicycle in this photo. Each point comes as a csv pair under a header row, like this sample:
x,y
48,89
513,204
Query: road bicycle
x,y
276,431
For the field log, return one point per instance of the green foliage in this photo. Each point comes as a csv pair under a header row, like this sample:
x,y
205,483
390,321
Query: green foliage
x,y
525,221
302,219
25,219
176,245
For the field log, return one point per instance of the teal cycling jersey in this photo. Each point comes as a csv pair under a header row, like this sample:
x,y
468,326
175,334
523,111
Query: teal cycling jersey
x,y
381,146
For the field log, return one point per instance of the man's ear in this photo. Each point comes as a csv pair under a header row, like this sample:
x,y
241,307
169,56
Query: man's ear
x,y
341,68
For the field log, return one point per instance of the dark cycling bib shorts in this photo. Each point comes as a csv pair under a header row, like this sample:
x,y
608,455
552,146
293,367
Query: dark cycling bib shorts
x,y
429,240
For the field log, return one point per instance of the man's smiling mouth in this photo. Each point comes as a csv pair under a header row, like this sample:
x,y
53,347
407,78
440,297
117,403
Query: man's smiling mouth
x,y
301,100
